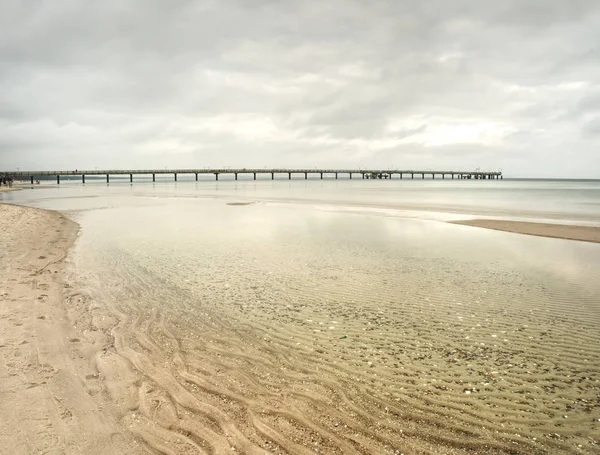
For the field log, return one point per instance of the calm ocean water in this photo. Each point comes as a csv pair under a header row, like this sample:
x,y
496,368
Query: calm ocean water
x,y
321,286
564,200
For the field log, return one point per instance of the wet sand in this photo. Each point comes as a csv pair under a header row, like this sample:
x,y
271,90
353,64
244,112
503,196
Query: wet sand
x,y
48,400
6,190
560,231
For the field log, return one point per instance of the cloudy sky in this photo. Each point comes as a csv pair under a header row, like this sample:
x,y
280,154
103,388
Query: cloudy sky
x,y
511,85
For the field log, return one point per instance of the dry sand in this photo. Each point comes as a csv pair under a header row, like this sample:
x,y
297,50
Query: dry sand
x,y
561,231
47,403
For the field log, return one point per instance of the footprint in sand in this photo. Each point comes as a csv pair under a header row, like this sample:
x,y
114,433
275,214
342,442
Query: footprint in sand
x,y
117,439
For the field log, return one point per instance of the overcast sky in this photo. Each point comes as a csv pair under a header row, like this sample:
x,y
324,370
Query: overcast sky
x,y
511,85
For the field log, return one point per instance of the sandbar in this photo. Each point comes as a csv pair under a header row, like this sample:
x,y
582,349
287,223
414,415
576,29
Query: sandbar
x,y
560,231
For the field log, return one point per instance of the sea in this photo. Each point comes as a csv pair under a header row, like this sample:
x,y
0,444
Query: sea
x,y
341,316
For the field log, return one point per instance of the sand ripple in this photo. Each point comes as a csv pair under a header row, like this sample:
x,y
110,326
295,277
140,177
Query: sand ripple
x,y
389,355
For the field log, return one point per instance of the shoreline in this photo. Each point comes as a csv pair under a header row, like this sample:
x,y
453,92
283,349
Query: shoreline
x,y
550,230
46,362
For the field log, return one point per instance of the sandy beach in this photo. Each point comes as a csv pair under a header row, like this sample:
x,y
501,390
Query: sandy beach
x,y
307,356
560,231
47,404
5,189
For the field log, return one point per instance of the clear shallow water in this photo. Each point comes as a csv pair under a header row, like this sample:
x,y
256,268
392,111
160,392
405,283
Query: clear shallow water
x,y
342,299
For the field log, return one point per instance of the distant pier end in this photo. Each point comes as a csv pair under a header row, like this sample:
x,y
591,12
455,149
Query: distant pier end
x,y
349,173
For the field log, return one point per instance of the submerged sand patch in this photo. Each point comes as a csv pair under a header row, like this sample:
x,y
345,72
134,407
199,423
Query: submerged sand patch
x,y
313,339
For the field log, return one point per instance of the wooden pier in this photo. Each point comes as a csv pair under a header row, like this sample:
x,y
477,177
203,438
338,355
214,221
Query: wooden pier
x,y
361,173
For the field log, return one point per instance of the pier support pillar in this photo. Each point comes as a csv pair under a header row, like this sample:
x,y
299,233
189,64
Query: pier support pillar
x,y
32,179
130,178
306,176
196,176
236,175
272,175
289,176
154,177
336,175
255,176
423,176
82,178
443,176
216,176
350,175
58,179
400,175
321,176
107,178
175,175
412,176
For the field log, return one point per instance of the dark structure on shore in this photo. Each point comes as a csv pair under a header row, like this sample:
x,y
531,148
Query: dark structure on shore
x,y
361,173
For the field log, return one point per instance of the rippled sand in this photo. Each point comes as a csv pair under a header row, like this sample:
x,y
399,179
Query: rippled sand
x,y
266,329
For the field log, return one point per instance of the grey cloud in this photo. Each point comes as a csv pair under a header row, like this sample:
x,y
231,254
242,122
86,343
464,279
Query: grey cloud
x,y
139,83
593,126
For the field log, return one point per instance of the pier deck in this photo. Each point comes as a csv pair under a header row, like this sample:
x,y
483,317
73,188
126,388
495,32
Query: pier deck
x,y
362,173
